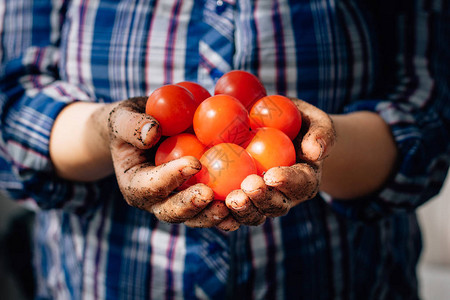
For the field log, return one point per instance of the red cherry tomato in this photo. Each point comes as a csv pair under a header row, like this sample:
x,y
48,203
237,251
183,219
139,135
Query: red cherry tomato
x,y
276,111
242,85
199,92
224,167
222,119
183,144
270,148
173,106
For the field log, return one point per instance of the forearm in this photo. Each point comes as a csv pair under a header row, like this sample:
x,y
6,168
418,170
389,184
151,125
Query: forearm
x,y
79,142
362,158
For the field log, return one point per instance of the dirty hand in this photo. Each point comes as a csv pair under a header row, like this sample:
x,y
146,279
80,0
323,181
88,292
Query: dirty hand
x,y
146,186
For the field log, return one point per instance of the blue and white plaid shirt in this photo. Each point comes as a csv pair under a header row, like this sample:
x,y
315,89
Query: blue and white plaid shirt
x,y
390,57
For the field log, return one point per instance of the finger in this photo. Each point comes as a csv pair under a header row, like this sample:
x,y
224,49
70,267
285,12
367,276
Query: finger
x,y
317,134
298,183
184,205
242,209
255,188
146,182
129,124
268,201
211,216
276,204
229,224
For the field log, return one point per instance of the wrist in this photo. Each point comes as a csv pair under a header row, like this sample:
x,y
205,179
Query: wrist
x,y
362,158
79,143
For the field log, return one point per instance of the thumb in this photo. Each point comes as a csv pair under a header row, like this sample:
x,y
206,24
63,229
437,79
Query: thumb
x,y
128,122
318,133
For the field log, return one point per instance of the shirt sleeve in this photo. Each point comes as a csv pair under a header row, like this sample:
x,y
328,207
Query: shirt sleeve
x,y
413,98
31,96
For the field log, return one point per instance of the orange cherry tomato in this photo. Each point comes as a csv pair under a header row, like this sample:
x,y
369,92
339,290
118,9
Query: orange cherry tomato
x,y
183,144
270,148
198,91
222,119
242,85
276,111
173,106
224,167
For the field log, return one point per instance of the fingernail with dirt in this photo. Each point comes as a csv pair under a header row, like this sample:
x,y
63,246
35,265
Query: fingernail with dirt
x,y
322,145
144,132
239,203
189,170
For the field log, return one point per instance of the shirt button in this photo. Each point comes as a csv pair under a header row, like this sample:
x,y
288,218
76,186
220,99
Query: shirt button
x,y
220,6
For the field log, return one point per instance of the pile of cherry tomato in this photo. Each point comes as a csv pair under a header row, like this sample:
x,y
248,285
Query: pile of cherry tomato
x,y
238,131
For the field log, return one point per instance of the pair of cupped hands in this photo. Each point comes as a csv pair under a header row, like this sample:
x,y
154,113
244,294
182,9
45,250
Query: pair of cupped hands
x,y
134,134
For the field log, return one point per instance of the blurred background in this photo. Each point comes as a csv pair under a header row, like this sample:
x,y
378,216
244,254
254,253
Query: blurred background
x,y
434,268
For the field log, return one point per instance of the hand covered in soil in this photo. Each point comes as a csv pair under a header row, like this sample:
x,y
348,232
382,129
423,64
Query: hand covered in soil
x,y
282,188
132,137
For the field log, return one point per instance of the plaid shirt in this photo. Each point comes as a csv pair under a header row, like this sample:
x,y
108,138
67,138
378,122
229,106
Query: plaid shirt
x,y
342,56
